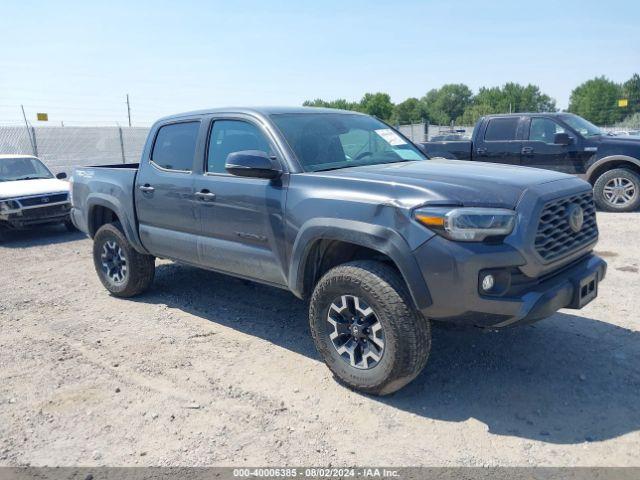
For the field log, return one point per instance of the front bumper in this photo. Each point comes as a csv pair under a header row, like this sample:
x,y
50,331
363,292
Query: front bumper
x,y
452,270
31,217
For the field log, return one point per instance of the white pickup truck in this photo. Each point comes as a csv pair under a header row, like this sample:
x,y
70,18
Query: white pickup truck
x,y
30,195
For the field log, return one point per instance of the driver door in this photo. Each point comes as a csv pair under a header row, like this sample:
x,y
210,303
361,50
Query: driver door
x,y
241,218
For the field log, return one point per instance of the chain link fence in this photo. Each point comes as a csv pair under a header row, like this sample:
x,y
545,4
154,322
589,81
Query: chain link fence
x,y
63,148
424,132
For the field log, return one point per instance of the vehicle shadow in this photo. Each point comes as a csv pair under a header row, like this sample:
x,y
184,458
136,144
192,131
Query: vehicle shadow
x,y
567,379
38,237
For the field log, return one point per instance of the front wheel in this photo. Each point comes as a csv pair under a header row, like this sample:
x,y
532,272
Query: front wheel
x,y
121,269
617,190
366,329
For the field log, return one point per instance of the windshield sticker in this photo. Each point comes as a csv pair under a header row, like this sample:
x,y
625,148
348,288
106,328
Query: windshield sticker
x,y
390,136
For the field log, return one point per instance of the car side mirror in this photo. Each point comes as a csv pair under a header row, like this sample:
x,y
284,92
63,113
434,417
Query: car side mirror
x,y
252,163
562,139
61,176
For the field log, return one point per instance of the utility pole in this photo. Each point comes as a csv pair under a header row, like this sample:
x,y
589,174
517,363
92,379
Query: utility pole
x,y
128,109
26,126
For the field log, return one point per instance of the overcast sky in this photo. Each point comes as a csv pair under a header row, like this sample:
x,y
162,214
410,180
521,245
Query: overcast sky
x,y
77,60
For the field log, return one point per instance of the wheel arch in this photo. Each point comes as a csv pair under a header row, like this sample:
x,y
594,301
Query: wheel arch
x,y
609,163
324,243
101,211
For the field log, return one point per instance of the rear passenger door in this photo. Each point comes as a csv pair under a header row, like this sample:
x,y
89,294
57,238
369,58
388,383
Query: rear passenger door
x,y
540,151
164,193
500,141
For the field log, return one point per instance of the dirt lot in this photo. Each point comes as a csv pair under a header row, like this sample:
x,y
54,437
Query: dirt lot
x,y
209,370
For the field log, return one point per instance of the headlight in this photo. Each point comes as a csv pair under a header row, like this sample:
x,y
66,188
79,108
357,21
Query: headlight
x,y
468,224
7,206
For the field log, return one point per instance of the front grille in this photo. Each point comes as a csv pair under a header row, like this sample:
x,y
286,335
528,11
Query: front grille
x,y
44,199
555,238
45,212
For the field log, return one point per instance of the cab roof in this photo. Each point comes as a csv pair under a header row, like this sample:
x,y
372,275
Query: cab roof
x,y
261,111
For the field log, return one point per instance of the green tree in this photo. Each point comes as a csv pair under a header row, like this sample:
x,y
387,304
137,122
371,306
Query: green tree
x,y
377,104
511,97
631,91
597,101
410,111
447,103
340,103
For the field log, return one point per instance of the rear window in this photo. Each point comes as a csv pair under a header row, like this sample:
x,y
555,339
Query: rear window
x,y
175,146
501,129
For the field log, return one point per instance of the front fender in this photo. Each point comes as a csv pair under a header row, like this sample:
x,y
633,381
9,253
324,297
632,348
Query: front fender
x,y
376,237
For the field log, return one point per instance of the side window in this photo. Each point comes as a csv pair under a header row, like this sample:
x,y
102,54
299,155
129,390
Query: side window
x,y
228,136
501,129
544,130
175,146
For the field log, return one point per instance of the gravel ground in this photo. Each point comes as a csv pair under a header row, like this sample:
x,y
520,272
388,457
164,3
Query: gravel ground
x,y
209,370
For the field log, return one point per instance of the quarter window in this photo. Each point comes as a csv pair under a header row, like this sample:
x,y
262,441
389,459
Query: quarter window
x,y
501,129
229,136
544,130
175,146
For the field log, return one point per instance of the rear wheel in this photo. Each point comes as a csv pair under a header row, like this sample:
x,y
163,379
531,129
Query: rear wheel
x,y
121,269
617,190
366,329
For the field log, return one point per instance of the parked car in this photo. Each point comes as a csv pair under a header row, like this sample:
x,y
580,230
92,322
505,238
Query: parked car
x,y
341,210
30,195
556,141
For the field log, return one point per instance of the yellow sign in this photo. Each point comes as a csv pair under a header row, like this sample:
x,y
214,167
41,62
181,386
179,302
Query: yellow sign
x,y
623,102
43,117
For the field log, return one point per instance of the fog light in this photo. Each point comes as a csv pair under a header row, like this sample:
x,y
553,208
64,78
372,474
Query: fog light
x,y
488,282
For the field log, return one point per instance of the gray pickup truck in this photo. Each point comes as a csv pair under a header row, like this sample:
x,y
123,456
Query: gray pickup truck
x,y
340,209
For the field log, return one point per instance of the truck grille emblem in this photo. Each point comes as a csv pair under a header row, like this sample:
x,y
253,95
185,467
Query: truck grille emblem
x,y
45,200
575,216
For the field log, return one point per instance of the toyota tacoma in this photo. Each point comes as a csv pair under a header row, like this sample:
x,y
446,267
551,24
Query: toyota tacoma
x,y
342,210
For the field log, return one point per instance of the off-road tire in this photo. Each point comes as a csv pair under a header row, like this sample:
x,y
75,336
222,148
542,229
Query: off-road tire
x,y
407,334
609,176
140,268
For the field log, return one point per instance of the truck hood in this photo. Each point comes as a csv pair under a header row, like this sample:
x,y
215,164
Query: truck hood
x,y
457,182
24,188
626,140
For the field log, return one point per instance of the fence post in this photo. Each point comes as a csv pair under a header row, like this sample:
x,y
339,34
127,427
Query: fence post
x,y
35,142
124,159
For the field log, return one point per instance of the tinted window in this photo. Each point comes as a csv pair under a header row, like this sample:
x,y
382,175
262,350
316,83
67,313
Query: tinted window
x,y
175,146
228,136
326,141
544,130
501,129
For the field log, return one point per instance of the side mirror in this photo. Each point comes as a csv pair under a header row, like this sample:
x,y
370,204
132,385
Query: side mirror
x,y
562,139
252,163
61,176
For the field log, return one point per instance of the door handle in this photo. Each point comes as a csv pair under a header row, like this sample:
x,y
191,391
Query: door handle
x,y
481,151
205,196
146,188
527,150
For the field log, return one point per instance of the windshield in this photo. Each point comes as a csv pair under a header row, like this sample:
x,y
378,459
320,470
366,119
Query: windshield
x,y
328,141
22,168
582,126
